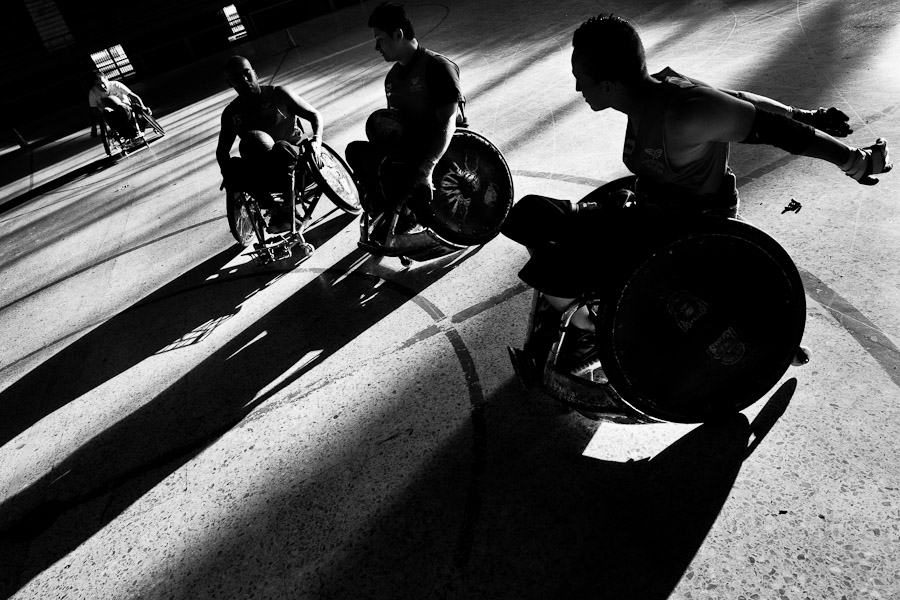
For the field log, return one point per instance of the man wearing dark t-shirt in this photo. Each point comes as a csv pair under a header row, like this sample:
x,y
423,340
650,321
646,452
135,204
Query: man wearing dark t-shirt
x,y
423,87
268,113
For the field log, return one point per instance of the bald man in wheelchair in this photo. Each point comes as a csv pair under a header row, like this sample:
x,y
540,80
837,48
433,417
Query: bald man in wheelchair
x,y
266,118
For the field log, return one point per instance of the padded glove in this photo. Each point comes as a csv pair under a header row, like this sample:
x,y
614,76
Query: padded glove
x,y
868,161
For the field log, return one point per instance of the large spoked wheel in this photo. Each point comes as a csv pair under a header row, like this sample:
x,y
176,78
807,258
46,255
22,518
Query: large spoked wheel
x,y
241,217
473,190
335,180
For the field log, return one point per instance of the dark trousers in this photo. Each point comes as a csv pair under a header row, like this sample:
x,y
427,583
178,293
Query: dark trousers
x,y
386,177
262,175
118,118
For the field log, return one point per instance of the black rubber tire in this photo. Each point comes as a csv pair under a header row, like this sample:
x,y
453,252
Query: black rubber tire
x,y
472,169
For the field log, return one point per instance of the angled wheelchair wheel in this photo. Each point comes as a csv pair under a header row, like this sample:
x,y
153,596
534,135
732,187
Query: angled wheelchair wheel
x,y
241,217
473,190
335,180
703,321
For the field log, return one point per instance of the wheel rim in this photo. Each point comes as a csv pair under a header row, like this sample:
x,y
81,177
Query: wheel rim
x,y
339,179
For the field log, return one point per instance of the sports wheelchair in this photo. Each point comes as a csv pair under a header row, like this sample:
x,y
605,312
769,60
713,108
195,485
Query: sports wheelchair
x,y
473,194
306,184
701,320
120,144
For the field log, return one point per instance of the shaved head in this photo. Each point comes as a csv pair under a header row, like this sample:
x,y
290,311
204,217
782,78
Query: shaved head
x,y
241,76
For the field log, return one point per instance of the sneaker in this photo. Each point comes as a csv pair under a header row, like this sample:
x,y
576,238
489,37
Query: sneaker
x,y
578,354
407,225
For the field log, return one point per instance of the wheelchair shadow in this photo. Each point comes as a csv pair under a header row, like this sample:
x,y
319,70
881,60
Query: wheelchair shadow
x,y
545,522
90,487
66,178
186,310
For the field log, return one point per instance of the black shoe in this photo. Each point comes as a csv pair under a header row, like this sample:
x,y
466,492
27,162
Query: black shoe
x,y
407,224
578,352
280,221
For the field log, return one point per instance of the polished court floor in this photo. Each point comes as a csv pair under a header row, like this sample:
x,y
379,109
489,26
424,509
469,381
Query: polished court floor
x,y
177,422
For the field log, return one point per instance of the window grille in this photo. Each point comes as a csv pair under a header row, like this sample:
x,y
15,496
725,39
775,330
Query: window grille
x,y
113,62
234,21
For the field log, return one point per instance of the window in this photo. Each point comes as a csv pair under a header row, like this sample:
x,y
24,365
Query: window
x,y
50,24
234,21
113,62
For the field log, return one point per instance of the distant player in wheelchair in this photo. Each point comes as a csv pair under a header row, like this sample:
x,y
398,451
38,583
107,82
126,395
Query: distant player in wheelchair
x,y
118,115
430,186
649,287
274,184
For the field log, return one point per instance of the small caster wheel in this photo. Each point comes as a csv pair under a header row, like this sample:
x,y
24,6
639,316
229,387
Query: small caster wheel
x,y
405,261
801,357
306,250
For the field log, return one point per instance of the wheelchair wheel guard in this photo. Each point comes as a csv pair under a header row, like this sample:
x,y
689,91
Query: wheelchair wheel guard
x,y
705,323
473,190
699,324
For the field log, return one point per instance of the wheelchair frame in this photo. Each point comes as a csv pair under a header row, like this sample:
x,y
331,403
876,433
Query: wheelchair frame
x,y
246,220
116,144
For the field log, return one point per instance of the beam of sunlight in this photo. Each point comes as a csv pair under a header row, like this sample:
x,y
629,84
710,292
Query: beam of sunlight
x,y
305,361
247,345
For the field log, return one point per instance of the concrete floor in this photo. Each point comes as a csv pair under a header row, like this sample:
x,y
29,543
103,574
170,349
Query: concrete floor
x,y
176,422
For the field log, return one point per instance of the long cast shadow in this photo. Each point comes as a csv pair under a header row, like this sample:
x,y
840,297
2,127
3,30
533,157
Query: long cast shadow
x,y
128,459
506,508
147,328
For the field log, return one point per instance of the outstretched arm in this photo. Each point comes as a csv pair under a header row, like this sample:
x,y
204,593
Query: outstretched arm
x,y
710,115
830,120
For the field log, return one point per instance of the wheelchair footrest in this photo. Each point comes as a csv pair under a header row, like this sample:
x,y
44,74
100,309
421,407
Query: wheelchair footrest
x,y
280,247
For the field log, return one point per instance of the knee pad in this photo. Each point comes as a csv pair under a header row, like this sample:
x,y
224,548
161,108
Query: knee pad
x,y
536,221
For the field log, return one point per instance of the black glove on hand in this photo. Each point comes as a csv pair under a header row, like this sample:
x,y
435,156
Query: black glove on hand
x,y
831,120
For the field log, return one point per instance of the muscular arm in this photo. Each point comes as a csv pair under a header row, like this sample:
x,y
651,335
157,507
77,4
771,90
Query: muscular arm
x,y
303,109
831,120
226,141
710,115
446,116
135,99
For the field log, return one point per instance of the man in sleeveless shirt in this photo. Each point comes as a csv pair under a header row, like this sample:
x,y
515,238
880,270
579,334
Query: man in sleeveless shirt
x,y
677,139
276,112
423,87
